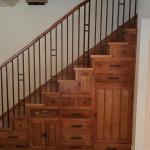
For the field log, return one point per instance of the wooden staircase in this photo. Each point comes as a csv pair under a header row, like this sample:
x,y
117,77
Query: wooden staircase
x,y
94,111
86,104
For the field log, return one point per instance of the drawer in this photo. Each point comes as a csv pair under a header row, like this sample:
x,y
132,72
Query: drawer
x,y
76,114
84,101
114,66
20,124
68,101
78,125
14,136
113,78
77,147
51,113
76,138
51,101
113,147
51,98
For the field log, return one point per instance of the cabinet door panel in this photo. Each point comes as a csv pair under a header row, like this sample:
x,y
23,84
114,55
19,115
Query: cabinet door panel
x,y
84,78
37,128
53,132
114,113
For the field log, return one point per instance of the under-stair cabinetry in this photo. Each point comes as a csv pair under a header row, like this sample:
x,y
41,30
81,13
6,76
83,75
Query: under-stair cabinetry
x,y
44,127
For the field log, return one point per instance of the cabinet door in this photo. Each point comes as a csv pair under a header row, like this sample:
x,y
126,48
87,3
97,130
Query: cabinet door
x,y
84,78
37,133
114,113
53,133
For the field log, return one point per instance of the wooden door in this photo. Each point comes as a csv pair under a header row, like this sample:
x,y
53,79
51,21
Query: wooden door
x,y
114,113
53,133
37,133
84,78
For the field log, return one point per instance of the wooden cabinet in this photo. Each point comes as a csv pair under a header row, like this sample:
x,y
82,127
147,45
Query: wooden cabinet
x,y
85,80
44,126
114,113
44,133
37,133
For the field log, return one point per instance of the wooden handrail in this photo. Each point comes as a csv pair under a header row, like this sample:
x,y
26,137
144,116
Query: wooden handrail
x,y
44,33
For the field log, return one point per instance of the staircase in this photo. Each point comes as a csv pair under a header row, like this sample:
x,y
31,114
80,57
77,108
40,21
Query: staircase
x,y
56,98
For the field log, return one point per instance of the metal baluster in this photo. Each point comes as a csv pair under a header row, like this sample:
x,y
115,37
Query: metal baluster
x,y
101,18
106,27
18,86
45,63
13,87
56,57
62,50
112,24
67,51
29,75
2,99
78,37
34,73
84,22
39,43
72,43
51,61
95,23
89,20
23,82
7,86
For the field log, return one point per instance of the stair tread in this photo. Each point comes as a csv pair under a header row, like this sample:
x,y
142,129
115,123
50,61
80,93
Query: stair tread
x,y
117,43
89,69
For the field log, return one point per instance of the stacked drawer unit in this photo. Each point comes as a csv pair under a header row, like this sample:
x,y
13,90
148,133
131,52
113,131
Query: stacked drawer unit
x,y
17,136
113,70
76,98
114,80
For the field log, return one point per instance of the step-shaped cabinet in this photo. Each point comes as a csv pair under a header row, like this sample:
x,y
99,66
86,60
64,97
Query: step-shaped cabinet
x,y
114,113
44,127
84,77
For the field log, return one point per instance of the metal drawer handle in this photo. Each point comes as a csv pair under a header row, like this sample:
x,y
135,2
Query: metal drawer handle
x,y
110,148
76,114
76,138
114,78
76,126
76,147
12,137
115,65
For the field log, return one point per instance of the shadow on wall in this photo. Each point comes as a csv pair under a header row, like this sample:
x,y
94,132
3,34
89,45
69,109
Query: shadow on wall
x,y
8,3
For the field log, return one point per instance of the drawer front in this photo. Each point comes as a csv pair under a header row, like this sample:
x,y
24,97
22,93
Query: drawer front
x,y
44,113
78,125
76,138
20,125
51,101
76,114
68,101
113,147
76,147
114,66
113,78
85,102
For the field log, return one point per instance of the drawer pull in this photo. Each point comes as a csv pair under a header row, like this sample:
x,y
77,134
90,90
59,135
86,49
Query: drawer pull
x,y
76,126
76,138
114,78
76,114
12,137
117,65
110,148
76,147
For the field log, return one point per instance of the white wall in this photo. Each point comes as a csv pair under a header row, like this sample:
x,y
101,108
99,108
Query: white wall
x,y
141,121
20,23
